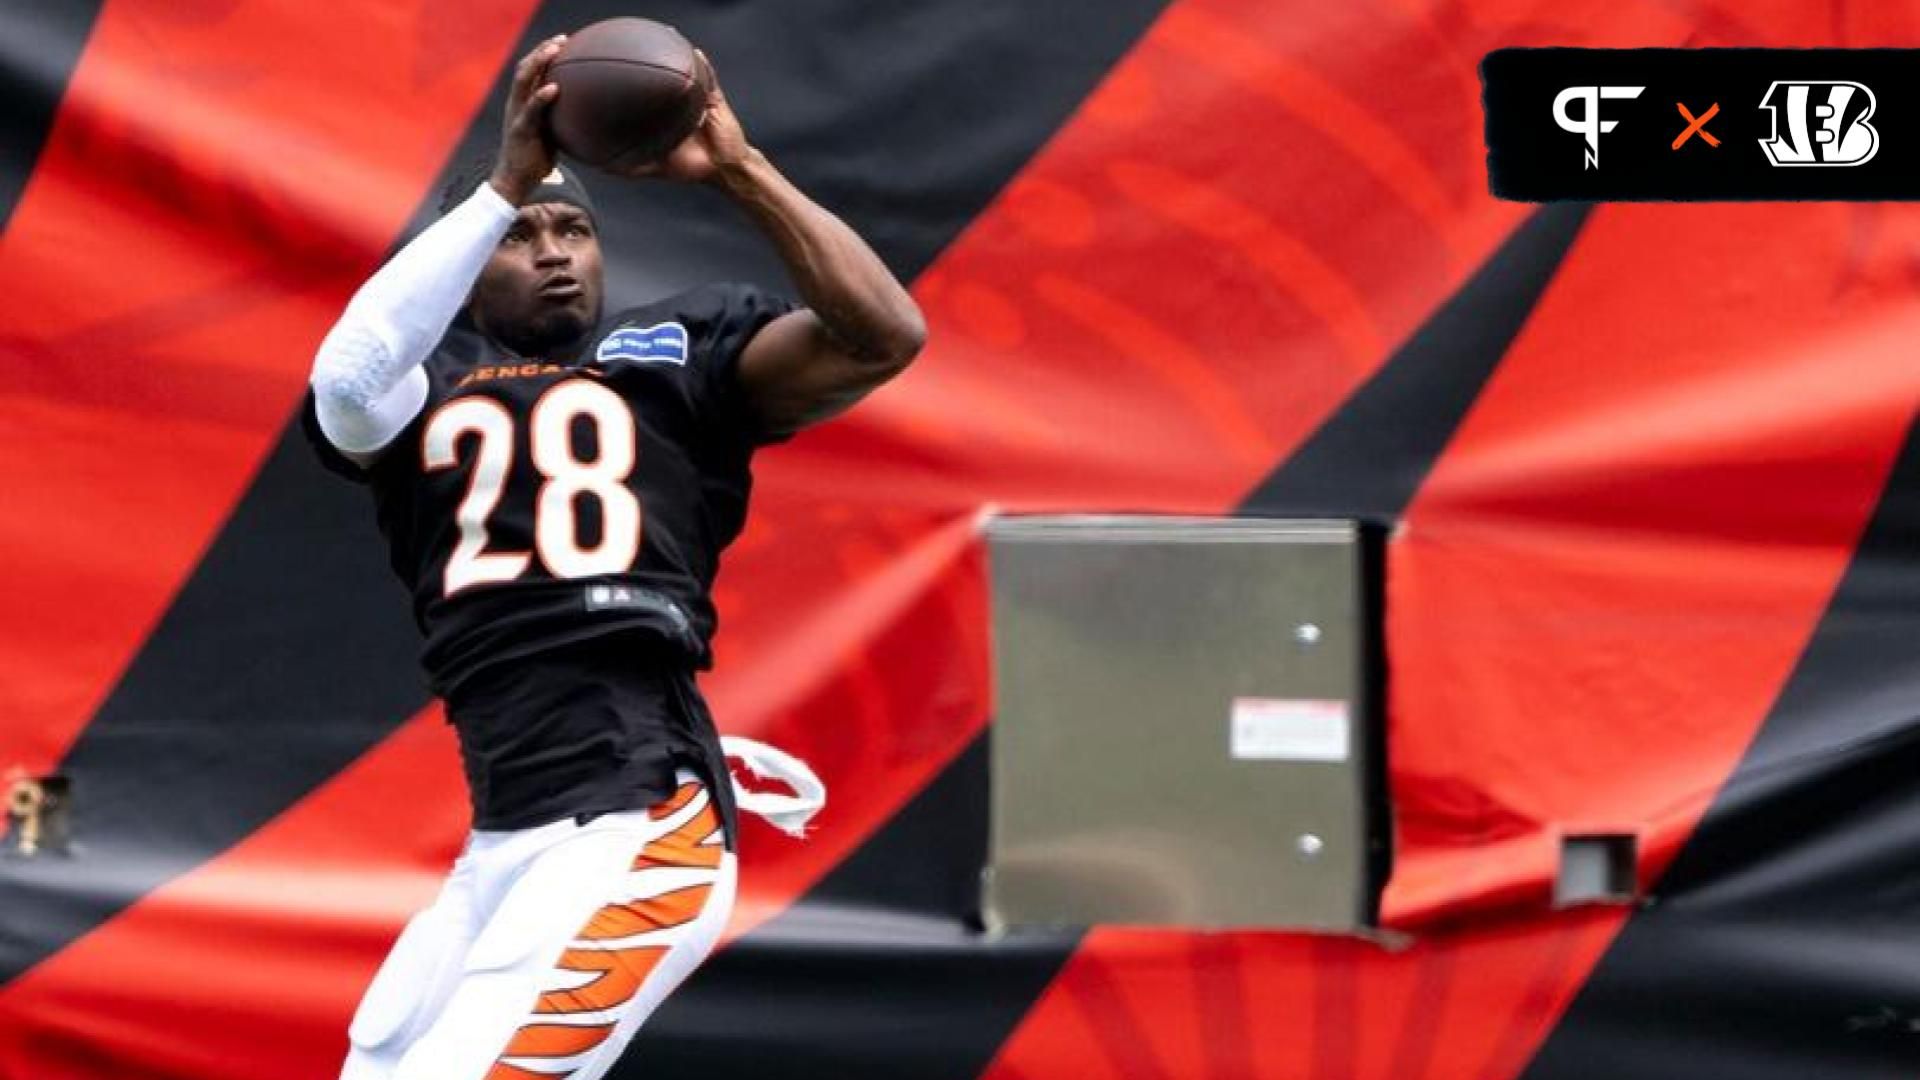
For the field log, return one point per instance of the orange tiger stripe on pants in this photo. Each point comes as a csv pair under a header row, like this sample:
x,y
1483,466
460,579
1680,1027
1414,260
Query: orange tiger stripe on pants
x,y
690,845
509,1072
617,973
616,921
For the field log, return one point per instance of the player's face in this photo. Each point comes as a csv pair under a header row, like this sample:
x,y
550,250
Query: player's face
x,y
539,293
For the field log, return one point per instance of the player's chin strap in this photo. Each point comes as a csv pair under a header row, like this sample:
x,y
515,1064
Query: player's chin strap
x,y
788,813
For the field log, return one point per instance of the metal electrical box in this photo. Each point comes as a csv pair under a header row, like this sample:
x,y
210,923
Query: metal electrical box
x,y
1186,723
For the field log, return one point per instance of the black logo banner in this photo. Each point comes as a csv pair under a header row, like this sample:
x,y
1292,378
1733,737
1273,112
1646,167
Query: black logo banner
x,y
1646,124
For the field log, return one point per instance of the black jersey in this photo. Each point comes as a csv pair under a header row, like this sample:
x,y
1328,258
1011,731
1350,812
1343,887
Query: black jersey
x,y
534,507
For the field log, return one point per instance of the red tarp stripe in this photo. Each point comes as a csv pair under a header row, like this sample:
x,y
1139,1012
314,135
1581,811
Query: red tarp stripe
x,y
1373,142
1315,1004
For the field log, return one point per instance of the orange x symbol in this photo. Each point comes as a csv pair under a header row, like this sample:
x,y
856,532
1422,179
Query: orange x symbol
x,y
1699,125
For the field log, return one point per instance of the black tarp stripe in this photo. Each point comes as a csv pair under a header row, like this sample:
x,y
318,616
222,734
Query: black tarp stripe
x,y
1783,931
1370,458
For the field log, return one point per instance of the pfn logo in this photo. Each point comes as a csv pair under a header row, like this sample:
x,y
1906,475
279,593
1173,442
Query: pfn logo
x,y
1826,124
1590,124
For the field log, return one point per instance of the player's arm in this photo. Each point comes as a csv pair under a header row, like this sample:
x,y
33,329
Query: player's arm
x,y
367,381
860,327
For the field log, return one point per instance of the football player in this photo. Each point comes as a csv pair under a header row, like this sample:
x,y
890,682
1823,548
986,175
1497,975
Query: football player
x,y
555,488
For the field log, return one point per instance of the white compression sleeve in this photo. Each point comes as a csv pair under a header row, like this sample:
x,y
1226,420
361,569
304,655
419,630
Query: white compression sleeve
x,y
367,381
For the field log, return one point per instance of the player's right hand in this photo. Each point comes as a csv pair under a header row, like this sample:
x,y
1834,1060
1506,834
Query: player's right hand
x,y
526,157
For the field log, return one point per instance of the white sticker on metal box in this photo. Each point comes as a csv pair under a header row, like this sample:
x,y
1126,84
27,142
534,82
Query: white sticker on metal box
x,y
1289,729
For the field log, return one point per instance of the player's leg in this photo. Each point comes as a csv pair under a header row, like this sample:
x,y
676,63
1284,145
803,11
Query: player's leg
x,y
602,922
683,889
414,981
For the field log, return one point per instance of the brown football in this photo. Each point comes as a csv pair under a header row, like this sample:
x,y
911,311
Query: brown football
x,y
630,90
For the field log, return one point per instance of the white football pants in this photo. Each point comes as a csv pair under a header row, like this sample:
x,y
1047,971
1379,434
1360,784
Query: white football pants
x,y
548,947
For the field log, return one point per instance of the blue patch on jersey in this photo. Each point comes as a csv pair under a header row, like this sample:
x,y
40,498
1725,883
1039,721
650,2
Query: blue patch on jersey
x,y
662,344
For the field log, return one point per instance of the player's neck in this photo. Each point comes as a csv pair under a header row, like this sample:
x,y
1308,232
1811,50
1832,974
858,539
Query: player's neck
x,y
549,353
535,346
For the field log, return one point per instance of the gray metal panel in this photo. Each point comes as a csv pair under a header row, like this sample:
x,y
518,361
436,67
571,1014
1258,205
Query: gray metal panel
x,y
1121,647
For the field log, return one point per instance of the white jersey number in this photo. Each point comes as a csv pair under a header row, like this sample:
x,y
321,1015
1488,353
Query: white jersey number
x,y
568,479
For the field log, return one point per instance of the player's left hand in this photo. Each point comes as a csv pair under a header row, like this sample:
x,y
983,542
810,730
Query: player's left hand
x,y
716,146
525,154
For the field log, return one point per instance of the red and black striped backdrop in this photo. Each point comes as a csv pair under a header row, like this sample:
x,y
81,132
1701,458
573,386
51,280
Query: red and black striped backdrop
x,y
1655,563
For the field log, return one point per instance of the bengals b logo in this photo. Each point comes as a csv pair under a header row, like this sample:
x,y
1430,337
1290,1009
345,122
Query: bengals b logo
x,y
1826,123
